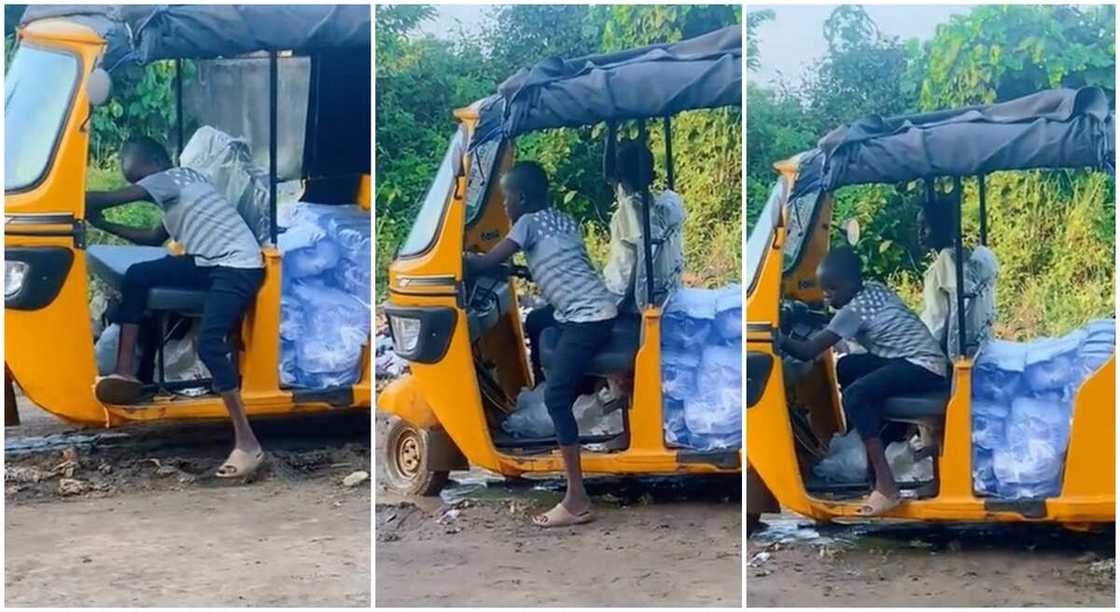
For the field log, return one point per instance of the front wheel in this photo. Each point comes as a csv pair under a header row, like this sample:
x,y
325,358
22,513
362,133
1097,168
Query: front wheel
x,y
405,457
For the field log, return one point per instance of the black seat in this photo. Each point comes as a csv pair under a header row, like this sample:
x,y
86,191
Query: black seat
x,y
617,357
929,404
110,263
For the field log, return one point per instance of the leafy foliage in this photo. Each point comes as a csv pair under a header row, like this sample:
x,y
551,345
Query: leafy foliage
x,y
1052,231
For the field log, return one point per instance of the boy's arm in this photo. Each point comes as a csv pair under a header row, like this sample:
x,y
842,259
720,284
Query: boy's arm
x,y
807,350
490,260
155,236
98,201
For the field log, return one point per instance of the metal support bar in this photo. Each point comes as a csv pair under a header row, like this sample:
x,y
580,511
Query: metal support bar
x,y
959,265
980,182
273,89
647,245
178,110
668,153
642,131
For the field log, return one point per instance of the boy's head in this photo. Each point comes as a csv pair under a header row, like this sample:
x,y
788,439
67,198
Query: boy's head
x,y
936,226
634,164
525,189
840,276
142,156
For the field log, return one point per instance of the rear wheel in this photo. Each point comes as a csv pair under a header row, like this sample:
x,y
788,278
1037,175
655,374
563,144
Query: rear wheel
x,y
405,457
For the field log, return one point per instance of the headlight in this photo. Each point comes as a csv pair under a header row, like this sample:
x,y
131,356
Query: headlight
x,y
406,334
15,274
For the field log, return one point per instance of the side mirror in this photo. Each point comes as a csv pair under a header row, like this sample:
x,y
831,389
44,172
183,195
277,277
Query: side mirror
x,y
851,231
98,86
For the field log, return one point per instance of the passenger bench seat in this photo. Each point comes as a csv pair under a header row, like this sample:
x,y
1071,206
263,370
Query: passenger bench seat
x,y
111,262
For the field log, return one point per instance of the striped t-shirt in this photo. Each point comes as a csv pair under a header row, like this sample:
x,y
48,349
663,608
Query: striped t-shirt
x,y
200,218
880,322
560,267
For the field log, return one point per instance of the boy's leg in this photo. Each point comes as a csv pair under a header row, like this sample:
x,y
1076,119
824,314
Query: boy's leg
x,y
231,293
577,345
139,279
536,322
863,401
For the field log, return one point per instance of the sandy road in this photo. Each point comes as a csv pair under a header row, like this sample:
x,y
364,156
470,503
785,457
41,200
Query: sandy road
x,y
148,526
655,542
797,564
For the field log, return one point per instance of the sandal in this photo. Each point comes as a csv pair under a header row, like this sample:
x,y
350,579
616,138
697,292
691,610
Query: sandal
x,y
878,504
240,464
117,389
559,516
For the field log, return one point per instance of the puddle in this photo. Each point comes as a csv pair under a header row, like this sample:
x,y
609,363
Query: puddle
x,y
787,529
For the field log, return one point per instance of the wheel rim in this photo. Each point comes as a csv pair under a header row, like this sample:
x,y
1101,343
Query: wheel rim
x,y
408,455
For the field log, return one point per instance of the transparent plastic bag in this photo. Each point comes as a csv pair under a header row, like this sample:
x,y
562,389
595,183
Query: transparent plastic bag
x,y
728,322
678,374
531,419
846,461
716,408
987,432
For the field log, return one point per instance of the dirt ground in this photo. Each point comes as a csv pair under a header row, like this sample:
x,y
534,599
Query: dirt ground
x,y
133,516
795,563
656,541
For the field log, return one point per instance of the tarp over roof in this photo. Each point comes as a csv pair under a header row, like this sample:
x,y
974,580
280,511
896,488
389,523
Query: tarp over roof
x,y
653,81
145,33
1060,128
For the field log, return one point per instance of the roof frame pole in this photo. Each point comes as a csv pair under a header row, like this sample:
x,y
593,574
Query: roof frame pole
x,y
647,244
179,110
273,91
669,153
962,334
980,182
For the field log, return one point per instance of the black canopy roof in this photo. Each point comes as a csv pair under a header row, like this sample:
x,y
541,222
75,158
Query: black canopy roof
x,y
145,33
1060,128
653,81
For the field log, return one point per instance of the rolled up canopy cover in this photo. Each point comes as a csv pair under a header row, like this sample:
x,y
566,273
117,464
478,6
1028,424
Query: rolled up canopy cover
x,y
654,81
1060,128
145,33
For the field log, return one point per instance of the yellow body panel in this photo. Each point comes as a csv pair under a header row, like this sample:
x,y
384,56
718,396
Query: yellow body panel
x,y
1088,488
451,390
49,351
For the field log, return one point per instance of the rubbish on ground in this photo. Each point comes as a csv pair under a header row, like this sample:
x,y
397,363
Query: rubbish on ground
x,y
759,559
355,478
701,368
72,486
324,303
1022,408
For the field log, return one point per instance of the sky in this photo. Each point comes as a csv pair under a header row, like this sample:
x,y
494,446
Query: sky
x,y
795,38
450,17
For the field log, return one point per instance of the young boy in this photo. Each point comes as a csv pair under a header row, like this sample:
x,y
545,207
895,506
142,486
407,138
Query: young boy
x,y
583,307
902,357
222,256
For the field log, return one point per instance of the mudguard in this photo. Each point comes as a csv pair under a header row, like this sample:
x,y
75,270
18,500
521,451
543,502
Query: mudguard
x,y
402,398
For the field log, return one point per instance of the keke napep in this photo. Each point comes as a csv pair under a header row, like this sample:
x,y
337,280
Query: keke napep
x,y
314,58
794,407
463,335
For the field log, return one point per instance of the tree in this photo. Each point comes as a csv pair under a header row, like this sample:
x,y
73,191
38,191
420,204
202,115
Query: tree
x,y
754,20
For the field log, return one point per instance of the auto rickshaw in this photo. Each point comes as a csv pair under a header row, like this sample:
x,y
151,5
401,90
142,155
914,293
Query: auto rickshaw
x,y
463,337
793,407
317,55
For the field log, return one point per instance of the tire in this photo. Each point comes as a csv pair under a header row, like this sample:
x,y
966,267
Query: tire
x,y
404,456
753,523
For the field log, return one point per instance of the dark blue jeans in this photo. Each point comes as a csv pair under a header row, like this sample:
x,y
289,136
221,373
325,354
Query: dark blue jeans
x,y
229,293
578,343
867,380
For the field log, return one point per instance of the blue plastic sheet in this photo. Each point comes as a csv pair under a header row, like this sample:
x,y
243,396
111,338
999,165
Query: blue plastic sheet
x,y
1022,408
701,369
325,296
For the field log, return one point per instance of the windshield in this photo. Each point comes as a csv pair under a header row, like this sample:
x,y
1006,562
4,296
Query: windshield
x,y
424,229
760,236
38,89
482,168
799,225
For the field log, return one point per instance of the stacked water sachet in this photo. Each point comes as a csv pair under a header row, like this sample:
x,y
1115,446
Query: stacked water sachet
x,y
1022,408
324,302
701,368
